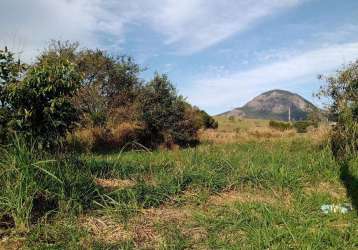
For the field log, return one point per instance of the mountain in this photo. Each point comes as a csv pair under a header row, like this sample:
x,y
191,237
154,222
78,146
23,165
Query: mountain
x,y
275,105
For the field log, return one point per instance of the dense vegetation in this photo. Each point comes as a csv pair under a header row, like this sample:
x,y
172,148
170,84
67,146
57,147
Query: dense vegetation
x,y
100,96
342,90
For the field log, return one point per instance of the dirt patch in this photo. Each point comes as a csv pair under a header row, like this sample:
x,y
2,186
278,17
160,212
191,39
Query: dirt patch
x,y
246,195
142,229
113,184
105,229
334,190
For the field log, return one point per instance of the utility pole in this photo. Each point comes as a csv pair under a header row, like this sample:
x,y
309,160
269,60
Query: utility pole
x,y
289,113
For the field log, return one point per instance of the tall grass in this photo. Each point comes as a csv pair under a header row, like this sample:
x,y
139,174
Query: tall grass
x,y
33,185
19,166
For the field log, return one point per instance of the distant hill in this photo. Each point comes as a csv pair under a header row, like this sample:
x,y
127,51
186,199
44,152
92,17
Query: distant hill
x,y
275,105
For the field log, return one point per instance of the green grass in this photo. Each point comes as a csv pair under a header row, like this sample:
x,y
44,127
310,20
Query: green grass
x,y
278,187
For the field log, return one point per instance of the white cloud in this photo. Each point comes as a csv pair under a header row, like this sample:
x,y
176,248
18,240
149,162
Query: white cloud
x,y
187,25
193,25
234,89
28,25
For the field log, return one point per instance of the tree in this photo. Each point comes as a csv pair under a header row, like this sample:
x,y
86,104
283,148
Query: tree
x,y
10,72
109,87
40,103
342,89
164,113
96,68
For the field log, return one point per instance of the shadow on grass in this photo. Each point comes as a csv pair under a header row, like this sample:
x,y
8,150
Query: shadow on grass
x,y
351,183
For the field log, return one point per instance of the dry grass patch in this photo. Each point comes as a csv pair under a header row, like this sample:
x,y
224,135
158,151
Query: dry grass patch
x,y
105,229
113,184
141,229
251,195
167,214
258,133
320,135
336,191
145,232
197,234
7,243
267,133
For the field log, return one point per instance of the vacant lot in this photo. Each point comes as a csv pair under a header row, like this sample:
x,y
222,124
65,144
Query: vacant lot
x,y
245,187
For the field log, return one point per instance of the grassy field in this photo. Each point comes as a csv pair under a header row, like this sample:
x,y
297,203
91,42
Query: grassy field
x,y
245,187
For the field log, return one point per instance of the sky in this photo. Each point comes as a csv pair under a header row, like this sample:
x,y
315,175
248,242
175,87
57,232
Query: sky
x,y
218,54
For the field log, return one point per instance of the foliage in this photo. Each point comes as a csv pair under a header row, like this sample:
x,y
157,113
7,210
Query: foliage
x,y
40,103
163,114
70,87
342,89
208,121
282,126
33,186
109,83
301,126
10,71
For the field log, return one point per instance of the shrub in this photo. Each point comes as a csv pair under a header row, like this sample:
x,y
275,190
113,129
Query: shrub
x,y
231,118
282,126
39,104
208,121
342,89
164,114
301,126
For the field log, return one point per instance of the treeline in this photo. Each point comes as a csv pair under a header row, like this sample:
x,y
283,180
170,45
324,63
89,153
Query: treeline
x,y
90,100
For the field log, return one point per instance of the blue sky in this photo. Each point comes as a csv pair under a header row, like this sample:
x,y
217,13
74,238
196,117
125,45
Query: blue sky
x,y
219,54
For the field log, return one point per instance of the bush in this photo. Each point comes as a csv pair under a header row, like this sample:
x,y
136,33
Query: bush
x,y
39,104
302,126
165,115
342,89
282,126
208,121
